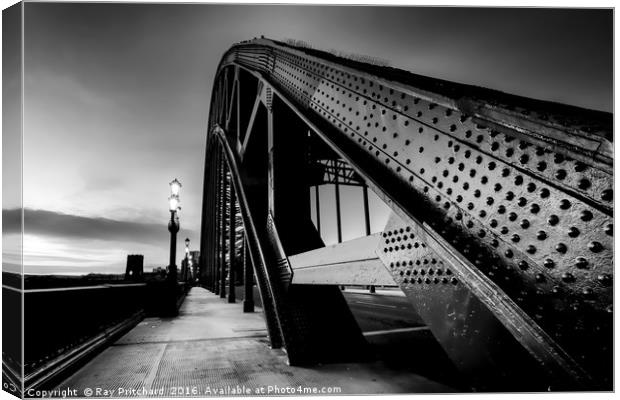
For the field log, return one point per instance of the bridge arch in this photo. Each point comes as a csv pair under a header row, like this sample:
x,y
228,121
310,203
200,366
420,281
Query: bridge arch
x,y
502,228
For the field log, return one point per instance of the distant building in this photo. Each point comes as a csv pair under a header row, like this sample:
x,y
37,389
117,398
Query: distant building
x,y
135,267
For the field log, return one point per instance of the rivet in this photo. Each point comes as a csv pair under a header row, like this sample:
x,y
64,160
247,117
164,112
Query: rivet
x,y
541,235
595,247
531,187
544,193
564,204
501,209
568,277
504,230
605,279
586,215
553,220
548,263
581,263
518,180
525,224
607,195
523,265
531,249
561,248
508,253
609,229
560,174
534,208
580,167
573,232
512,216
584,184
540,277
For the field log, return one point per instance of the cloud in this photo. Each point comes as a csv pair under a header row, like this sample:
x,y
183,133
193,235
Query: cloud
x,y
50,223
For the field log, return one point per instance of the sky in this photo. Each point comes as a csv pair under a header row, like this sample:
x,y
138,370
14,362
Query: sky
x,y
116,99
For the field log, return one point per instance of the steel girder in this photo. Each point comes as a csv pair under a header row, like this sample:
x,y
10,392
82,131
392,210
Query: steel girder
x,y
513,196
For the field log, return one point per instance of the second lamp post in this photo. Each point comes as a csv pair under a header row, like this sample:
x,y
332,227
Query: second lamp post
x,y
173,227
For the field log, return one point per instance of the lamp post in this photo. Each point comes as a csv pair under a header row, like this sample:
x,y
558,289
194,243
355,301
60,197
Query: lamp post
x,y
185,276
173,227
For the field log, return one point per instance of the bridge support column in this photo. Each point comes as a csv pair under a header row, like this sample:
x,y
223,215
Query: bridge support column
x,y
316,323
218,227
232,215
248,280
222,254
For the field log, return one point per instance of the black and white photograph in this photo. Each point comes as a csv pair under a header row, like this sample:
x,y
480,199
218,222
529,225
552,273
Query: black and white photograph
x,y
206,200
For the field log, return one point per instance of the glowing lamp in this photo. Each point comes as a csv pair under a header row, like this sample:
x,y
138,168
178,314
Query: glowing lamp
x,y
175,187
174,202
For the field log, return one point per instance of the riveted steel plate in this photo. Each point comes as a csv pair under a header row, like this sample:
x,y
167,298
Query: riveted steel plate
x,y
472,336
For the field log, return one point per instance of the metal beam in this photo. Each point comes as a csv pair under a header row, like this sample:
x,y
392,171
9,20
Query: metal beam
x,y
353,262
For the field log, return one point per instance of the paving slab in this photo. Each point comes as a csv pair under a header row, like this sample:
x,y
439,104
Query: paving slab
x,y
214,349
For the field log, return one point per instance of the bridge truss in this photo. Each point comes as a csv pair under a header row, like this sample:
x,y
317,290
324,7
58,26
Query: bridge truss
x,y
501,233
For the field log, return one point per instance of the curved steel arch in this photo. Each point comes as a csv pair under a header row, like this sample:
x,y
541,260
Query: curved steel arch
x,y
512,197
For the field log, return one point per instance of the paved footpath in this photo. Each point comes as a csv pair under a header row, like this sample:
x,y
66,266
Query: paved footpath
x,y
213,348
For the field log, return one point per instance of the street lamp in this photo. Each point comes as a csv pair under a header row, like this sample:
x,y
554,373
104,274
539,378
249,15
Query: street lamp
x,y
186,259
173,227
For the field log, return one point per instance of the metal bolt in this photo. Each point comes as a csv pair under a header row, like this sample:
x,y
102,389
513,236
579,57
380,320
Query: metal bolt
x,y
605,279
568,277
586,215
564,204
595,247
581,263
584,184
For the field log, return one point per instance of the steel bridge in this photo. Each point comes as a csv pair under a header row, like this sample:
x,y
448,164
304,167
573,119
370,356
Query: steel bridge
x,y
501,232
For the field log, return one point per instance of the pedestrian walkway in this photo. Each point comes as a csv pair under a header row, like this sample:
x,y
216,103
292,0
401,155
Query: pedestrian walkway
x,y
213,348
